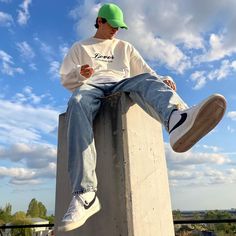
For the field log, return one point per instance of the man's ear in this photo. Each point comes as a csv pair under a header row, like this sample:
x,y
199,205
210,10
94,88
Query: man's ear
x,y
99,20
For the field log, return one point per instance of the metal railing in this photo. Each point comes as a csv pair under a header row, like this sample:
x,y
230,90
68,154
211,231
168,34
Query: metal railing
x,y
26,226
3,227
176,222
213,221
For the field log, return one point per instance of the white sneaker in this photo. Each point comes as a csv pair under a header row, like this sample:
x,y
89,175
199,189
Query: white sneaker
x,y
81,207
188,126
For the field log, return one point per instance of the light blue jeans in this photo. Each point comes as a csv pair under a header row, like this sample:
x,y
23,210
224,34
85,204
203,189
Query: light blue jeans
x,y
148,91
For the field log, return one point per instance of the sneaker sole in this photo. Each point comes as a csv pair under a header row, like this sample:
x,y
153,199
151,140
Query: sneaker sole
x,y
208,116
68,227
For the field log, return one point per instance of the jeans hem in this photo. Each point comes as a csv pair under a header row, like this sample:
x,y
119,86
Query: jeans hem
x,y
91,189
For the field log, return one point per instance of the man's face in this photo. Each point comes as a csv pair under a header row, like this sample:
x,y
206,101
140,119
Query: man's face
x,y
106,30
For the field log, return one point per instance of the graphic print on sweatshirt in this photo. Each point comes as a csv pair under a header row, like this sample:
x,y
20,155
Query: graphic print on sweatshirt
x,y
106,58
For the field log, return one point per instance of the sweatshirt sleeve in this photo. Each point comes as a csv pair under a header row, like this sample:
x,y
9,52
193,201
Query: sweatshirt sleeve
x,y
139,66
70,69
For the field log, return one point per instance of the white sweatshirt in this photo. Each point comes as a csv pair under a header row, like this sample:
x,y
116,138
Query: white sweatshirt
x,y
111,59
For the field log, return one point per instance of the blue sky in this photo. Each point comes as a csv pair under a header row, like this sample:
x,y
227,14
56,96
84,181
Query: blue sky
x,y
192,41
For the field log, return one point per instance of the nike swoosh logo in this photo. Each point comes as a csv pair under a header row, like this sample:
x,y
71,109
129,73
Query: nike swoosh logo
x,y
181,121
91,203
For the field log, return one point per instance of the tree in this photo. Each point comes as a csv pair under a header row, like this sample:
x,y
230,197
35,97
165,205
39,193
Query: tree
x,y
8,208
19,215
176,214
33,208
220,228
42,210
20,218
36,209
5,213
50,219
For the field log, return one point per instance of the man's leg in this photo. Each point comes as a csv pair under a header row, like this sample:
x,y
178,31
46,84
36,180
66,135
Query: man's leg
x,y
154,96
185,126
82,108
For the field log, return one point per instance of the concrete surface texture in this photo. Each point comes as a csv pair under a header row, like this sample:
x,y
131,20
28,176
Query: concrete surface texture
x,y
132,175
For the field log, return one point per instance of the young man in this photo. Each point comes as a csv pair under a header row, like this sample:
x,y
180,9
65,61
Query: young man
x,y
103,65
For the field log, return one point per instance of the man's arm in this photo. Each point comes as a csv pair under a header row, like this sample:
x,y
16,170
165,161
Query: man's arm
x,y
139,66
72,72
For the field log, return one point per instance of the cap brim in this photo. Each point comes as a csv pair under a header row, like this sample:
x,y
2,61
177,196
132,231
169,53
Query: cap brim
x,y
117,23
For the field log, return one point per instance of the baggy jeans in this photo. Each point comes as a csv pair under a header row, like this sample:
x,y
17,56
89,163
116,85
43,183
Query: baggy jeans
x,y
148,91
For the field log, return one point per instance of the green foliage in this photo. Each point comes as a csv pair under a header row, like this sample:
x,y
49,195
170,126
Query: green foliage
x,y
217,215
36,209
5,213
50,219
176,214
2,222
33,209
21,219
221,228
42,210
19,215
8,208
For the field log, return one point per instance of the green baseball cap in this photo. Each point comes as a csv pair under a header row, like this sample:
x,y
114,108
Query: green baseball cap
x,y
113,14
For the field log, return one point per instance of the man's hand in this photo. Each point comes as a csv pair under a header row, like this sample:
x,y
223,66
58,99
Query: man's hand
x,y
170,83
86,71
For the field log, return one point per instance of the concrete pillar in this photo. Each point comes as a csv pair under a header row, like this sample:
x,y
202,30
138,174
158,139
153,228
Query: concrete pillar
x,y
132,175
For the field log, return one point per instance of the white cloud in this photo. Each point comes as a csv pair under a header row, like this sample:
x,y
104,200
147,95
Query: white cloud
x,y
21,173
205,176
85,15
156,48
212,148
33,66
183,174
36,156
26,176
160,18
9,70
23,13
194,158
232,115
46,49
22,122
54,69
199,168
222,43
222,72
25,50
5,19
230,129
7,65
24,125
52,57
27,96
63,50
39,161
5,57
217,50
202,77
27,182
